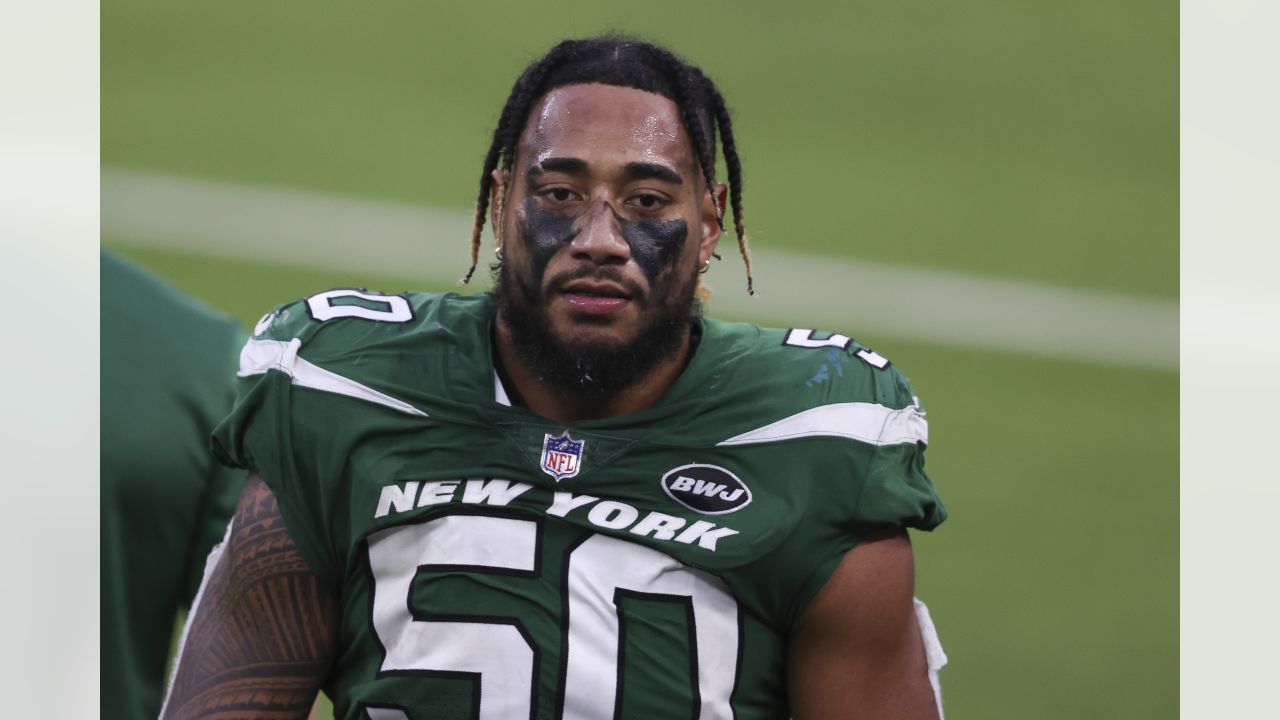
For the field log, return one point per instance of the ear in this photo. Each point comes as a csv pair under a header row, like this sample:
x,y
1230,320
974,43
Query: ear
x,y
713,208
497,194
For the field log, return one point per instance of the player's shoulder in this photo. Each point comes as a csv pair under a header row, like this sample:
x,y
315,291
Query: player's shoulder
x,y
341,321
799,368
420,353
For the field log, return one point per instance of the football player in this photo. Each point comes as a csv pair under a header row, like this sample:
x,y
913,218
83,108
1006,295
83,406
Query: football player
x,y
575,496
166,382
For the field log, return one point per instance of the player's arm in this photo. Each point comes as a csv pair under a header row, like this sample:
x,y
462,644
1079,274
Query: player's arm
x,y
856,651
261,636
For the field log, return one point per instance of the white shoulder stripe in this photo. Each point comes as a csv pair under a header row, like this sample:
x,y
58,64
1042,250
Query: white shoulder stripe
x,y
864,422
259,356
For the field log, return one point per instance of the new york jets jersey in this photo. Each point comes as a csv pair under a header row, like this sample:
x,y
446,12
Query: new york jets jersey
x,y
492,563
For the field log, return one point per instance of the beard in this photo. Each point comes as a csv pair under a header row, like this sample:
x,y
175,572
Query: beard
x,y
586,368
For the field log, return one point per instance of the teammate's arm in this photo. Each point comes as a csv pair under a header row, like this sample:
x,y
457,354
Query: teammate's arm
x,y
856,651
262,633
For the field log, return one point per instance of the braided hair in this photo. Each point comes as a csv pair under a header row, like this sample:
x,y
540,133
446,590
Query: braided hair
x,y
623,62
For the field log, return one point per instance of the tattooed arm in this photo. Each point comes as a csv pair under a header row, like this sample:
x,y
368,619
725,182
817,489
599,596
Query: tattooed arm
x,y
261,636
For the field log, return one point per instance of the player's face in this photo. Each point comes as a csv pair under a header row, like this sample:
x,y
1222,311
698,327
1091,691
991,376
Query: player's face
x,y
606,217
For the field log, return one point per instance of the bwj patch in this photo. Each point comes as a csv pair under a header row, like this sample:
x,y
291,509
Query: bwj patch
x,y
708,489
561,455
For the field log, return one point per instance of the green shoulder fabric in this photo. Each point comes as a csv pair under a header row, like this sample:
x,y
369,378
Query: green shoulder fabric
x,y
829,427
350,343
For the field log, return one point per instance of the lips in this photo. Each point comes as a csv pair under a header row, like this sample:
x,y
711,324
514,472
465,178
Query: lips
x,y
595,297
596,288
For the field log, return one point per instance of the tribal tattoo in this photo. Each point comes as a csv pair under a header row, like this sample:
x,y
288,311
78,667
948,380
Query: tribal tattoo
x,y
262,636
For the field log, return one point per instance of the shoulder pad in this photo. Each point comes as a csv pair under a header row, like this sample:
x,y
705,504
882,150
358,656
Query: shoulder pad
x,y
344,320
823,367
370,345
801,382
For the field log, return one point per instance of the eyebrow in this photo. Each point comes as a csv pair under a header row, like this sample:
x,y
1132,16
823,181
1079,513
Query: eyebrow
x,y
644,170
572,165
632,170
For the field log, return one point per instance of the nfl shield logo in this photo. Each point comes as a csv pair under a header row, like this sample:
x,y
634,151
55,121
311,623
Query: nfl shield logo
x,y
561,455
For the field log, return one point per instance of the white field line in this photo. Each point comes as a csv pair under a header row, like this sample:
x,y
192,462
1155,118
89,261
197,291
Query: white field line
x,y
851,296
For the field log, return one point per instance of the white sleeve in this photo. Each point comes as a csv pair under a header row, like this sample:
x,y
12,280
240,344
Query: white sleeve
x,y
209,564
933,653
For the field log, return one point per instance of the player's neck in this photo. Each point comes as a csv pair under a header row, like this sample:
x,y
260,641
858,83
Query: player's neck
x,y
555,404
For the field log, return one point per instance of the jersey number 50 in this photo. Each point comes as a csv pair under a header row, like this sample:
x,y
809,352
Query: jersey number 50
x,y
501,655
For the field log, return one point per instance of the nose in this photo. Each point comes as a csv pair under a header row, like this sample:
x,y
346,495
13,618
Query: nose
x,y
601,240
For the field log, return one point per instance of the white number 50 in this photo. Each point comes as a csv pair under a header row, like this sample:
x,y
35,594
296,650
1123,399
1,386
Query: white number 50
x,y
499,651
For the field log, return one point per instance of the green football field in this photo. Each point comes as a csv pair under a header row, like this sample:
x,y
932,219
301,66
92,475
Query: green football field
x,y
1026,141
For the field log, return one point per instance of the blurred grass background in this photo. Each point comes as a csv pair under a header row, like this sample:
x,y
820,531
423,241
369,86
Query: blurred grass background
x,y
1028,140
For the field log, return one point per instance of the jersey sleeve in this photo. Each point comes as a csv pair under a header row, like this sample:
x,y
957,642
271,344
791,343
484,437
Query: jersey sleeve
x,y
895,489
882,482
263,435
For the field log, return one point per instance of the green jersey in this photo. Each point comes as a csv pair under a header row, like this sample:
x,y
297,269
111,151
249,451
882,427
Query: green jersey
x,y
492,563
166,366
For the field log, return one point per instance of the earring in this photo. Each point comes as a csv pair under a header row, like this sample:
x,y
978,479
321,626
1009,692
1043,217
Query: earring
x,y
705,267
497,252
